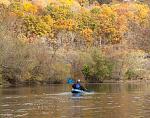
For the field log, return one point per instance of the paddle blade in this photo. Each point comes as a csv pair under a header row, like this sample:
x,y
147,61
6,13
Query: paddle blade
x,y
70,81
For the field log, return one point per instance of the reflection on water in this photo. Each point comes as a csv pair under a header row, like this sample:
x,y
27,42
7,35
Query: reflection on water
x,y
56,101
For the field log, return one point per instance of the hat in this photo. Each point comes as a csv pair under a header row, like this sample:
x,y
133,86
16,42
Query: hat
x,y
78,80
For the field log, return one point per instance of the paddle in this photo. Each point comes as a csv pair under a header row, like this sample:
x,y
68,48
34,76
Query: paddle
x,y
70,81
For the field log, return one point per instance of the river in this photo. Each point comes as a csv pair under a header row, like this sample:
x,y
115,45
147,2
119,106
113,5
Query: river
x,y
119,100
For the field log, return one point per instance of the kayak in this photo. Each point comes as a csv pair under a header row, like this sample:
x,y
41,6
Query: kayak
x,y
77,91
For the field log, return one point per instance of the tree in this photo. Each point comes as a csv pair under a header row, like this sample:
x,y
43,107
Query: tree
x,y
99,70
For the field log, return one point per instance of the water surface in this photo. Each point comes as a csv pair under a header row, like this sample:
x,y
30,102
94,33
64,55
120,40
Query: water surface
x,y
130,100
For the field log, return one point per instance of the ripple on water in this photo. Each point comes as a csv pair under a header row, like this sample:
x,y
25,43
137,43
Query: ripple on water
x,y
79,106
5,105
89,108
7,115
109,103
57,94
28,104
21,115
15,97
21,110
136,97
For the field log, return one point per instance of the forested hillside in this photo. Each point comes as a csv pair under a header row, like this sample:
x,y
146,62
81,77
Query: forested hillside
x,y
49,41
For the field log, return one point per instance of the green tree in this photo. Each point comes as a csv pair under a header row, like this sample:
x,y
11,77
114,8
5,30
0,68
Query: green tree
x,y
99,70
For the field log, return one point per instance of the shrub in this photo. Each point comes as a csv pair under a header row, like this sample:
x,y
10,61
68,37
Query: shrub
x,y
86,71
100,69
130,74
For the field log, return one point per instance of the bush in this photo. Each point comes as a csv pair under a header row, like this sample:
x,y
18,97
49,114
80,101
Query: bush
x,y
23,62
130,74
100,69
86,71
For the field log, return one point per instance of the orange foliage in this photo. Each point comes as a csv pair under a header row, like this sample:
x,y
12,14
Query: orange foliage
x,y
68,24
87,34
107,22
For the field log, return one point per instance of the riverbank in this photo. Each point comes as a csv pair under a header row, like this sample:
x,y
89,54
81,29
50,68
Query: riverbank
x,y
126,81
39,83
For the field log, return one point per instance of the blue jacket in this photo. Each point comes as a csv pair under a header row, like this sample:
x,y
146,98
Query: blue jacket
x,y
76,86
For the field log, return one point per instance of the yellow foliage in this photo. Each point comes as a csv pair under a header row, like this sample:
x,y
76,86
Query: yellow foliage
x,y
142,12
107,10
68,24
40,26
22,9
60,12
62,2
108,22
28,7
137,13
67,2
86,20
113,20
17,8
110,25
48,19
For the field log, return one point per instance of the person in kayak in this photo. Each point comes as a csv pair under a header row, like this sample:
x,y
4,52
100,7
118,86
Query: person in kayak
x,y
78,86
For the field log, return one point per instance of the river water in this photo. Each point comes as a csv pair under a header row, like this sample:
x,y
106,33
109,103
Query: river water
x,y
130,100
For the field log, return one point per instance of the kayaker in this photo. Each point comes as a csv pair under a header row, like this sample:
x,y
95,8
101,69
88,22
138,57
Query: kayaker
x,y
77,85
